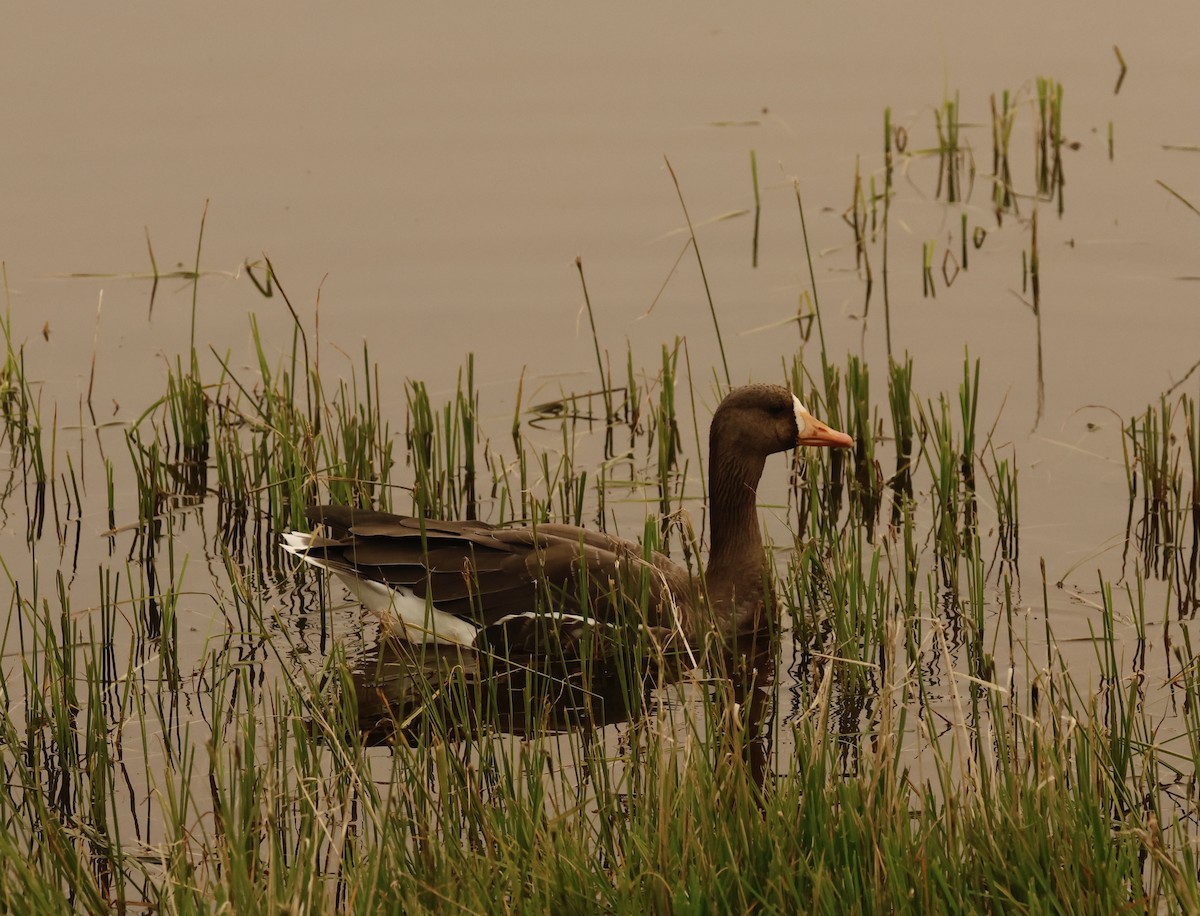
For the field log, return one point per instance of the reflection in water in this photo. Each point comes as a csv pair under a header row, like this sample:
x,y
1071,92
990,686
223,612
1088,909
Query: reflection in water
x,y
405,691
1035,283
1160,536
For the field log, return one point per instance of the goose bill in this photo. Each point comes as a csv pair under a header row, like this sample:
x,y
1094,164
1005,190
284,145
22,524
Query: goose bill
x,y
816,433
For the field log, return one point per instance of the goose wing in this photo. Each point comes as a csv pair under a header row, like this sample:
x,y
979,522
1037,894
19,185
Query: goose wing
x,y
500,576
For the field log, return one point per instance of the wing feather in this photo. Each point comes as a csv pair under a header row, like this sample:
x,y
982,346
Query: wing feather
x,y
484,573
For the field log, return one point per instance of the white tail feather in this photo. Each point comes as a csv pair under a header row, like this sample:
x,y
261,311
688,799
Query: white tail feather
x,y
418,620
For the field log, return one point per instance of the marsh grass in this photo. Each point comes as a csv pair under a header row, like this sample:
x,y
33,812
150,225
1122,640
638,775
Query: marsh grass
x,y
953,157
906,767
22,429
1050,141
889,138
900,402
1163,473
1002,482
862,217
1034,111
1003,197
757,208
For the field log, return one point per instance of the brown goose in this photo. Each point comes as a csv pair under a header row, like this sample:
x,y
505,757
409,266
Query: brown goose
x,y
471,583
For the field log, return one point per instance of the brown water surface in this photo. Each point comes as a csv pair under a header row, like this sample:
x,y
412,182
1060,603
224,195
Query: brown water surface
x,y
431,174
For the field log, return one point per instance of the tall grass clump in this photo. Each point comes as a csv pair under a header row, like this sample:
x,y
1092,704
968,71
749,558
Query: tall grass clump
x,y
886,749
20,412
1004,199
442,446
952,156
1050,141
1162,457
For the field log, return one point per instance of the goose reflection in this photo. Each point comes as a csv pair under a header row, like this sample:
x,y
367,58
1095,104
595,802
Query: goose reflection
x,y
407,693
404,688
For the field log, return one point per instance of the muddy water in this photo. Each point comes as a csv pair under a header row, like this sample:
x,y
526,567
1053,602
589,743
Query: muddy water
x,y
430,176
440,172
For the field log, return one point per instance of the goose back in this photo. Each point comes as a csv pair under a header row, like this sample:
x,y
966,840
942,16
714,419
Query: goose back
x,y
504,583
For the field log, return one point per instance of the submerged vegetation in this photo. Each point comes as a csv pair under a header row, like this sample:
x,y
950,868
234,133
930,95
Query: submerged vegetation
x,y
194,724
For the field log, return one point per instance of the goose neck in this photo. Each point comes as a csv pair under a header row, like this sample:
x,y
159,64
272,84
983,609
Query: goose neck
x,y
735,540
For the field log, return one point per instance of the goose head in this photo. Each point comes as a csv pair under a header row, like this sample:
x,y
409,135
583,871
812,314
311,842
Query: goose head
x,y
760,420
751,424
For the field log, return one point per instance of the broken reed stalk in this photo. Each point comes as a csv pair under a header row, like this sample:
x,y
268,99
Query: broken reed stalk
x,y
887,204
757,208
712,309
605,379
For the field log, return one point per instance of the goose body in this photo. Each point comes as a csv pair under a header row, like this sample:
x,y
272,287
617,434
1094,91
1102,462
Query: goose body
x,y
470,583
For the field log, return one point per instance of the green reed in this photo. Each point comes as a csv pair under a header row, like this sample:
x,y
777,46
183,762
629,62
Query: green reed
x,y
900,401
703,274
605,378
432,488
1004,199
300,810
1156,465
862,423
1049,141
282,442
1036,108
862,218
631,408
968,403
824,487
666,427
928,285
857,216
1192,438
1002,483
888,174
187,410
13,397
951,154
757,208
944,461
20,412
1162,448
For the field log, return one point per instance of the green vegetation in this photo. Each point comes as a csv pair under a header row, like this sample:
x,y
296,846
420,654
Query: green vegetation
x,y
933,751
199,725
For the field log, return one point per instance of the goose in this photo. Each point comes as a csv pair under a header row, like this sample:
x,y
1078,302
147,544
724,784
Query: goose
x,y
473,584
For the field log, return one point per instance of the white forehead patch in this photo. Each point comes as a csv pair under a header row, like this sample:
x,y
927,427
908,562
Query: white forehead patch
x,y
802,416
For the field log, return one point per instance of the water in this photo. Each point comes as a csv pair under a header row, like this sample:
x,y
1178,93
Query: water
x,y
428,177
440,172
